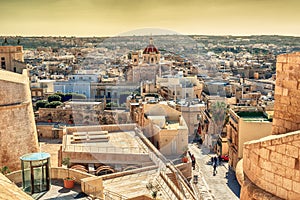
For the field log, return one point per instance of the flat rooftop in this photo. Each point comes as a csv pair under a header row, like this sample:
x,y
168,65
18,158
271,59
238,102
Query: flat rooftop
x,y
119,142
253,116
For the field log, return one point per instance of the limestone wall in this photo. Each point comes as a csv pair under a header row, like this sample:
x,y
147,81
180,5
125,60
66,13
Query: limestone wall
x,y
8,190
116,158
272,164
109,128
18,134
47,131
287,94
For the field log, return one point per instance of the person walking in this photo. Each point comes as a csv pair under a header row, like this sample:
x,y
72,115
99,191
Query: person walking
x,y
193,161
215,168
215,160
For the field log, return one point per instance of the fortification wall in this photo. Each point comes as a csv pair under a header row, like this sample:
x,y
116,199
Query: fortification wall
x,y
287,94
272,164
17,128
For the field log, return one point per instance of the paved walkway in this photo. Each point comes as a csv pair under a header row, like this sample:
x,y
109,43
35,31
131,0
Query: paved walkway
x,y
223,185
58,192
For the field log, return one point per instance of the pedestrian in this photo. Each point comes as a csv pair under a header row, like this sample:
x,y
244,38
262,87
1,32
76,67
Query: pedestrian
x,y
215,160
190,154
215,168
212,160
193,161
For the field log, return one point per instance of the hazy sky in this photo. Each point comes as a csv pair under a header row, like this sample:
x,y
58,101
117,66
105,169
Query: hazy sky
x,y
113,17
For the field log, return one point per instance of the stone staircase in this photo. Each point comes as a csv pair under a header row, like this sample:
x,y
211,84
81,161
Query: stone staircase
x,y
173,178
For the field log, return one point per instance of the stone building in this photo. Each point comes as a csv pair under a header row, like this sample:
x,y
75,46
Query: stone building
x,y
179,87
147,66
12,58
191,114
270,167
245,124
164,126
17,128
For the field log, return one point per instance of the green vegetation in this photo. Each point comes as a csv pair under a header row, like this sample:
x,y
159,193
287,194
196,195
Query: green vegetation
x,y
41,104
4,170
66,162
53,104
57,99
218,113
69,96
54,97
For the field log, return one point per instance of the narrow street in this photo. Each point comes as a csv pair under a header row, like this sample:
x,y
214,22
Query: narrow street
x,y
222,186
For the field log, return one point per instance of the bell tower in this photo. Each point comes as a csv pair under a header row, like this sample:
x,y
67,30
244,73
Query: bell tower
x,y
135,58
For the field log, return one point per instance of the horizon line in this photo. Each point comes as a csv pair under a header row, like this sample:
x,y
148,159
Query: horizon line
x,y
136,35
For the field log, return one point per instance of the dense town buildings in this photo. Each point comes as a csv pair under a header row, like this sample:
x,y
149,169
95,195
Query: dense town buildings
x,y
142,107
12,58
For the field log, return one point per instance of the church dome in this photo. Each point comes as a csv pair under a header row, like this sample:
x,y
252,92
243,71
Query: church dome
x,y
150,48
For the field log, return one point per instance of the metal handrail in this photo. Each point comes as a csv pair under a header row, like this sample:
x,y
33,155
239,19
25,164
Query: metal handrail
x,y
108,193
165,162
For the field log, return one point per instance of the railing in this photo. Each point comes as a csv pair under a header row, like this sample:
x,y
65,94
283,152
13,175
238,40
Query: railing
x,y
109,195
163,163
98,149
130,176
167,191
185,184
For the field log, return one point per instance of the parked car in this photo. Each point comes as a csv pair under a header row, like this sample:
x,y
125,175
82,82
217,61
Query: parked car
x,y
225,158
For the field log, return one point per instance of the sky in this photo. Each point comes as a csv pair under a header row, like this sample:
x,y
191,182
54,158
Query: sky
x,y
116,17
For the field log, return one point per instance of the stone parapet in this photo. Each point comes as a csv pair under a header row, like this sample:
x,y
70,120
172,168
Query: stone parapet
x,y
109,128
8,190
272,164
248,189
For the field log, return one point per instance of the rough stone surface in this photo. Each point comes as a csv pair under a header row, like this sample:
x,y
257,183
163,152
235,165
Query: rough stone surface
x,y
17,128
8,190
287,94
274,172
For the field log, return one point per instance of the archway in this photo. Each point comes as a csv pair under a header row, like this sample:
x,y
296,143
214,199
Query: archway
x,y
130,168
102,170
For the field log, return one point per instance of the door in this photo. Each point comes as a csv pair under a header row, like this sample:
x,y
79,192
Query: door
x,y
40,179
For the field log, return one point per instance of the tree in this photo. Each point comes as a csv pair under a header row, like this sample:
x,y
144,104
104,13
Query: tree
x,y
53,104
41,104
54,97
218,113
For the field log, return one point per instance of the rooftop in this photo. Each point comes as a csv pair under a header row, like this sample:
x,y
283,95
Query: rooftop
x,y
123,142
253,116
